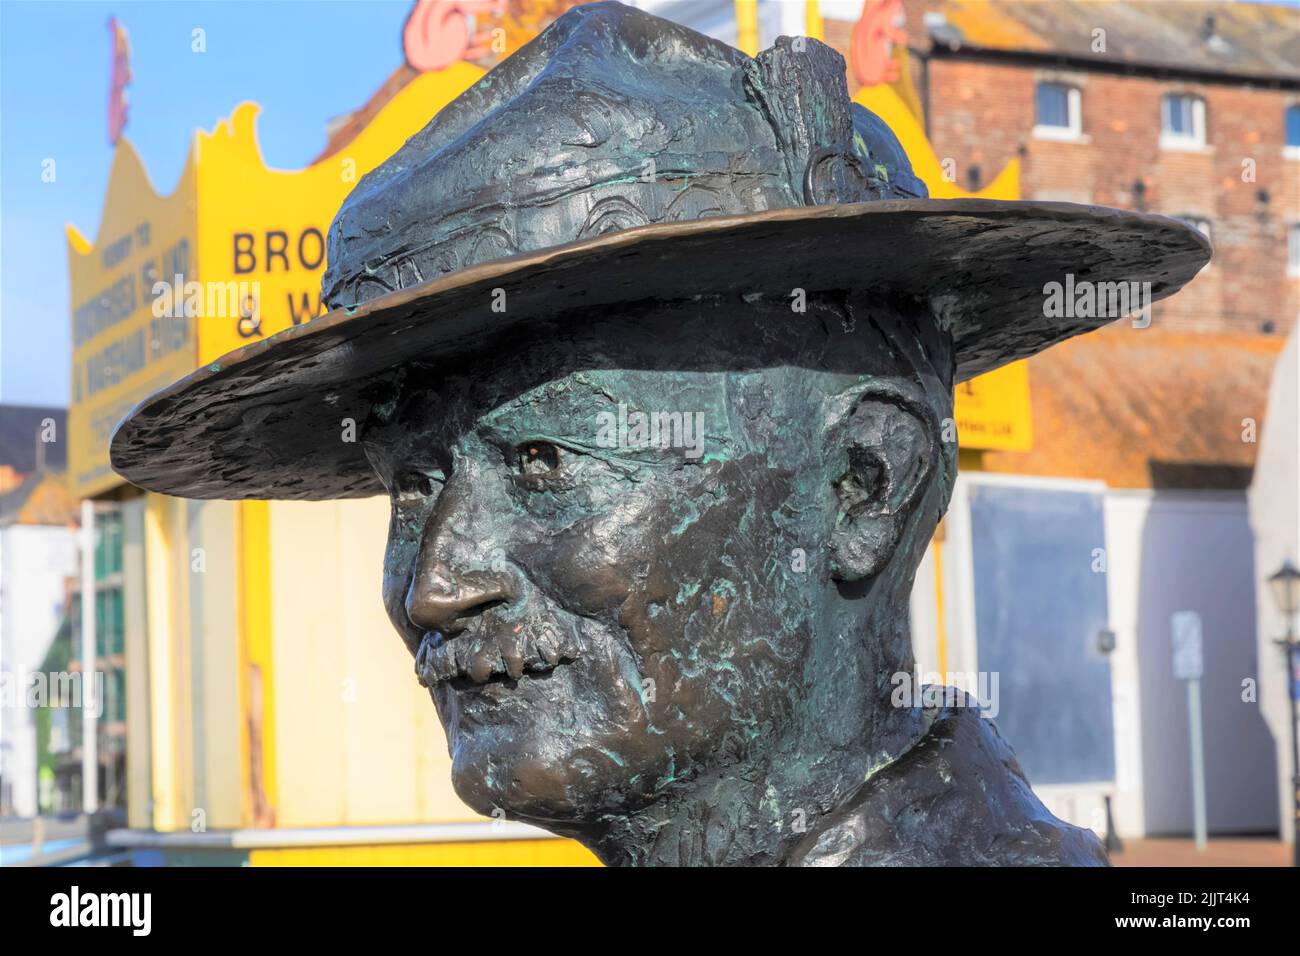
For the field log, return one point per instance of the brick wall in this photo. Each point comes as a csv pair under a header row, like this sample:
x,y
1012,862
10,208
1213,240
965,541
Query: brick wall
x,y
981,115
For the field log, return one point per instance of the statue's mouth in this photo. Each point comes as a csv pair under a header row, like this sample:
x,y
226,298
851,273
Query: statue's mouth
x,y
491,652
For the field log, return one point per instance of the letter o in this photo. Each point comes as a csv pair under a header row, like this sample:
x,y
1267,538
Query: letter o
x,y
320,248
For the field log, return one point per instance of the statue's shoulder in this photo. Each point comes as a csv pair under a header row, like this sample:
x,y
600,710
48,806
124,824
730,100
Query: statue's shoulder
x,y
957,798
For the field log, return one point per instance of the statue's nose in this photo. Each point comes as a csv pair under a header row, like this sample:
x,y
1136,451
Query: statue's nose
x,y
439,601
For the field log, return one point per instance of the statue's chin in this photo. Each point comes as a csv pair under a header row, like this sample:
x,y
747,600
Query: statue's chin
x,y
562,786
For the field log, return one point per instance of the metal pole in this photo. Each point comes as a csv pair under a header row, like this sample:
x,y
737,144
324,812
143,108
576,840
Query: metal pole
x,y
1198,759
89,725
1113,843
1295,743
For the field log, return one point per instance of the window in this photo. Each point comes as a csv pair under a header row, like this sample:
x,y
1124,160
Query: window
x,y
108,544
1200,223
110,623
1056,112
1293,249
1292,132
115,706
1182,121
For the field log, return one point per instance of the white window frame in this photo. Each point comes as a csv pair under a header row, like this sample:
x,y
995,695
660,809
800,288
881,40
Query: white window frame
x,y
1185,141
1293,250
1074,111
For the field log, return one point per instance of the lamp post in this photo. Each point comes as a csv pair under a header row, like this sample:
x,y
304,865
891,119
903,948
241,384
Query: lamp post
x,y
1285,586
1106,646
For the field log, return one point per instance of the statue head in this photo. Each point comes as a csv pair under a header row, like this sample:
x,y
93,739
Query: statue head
x,y
679,539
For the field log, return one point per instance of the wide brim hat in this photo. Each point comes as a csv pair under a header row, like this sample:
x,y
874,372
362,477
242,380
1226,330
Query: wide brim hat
x,y
429,245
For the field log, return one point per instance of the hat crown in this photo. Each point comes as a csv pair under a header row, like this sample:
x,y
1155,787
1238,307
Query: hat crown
x,y
610,119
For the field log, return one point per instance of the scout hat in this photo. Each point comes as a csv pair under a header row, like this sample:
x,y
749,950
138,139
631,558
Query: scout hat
x,y
616,158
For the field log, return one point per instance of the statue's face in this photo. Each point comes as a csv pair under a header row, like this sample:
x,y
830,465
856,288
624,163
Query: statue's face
x,y
598,610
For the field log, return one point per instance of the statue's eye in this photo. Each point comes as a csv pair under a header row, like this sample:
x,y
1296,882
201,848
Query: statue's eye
x,y
414,486
538,458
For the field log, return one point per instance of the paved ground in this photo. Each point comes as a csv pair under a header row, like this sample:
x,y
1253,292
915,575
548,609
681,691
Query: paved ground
x,y
58,837
54,840
1225,852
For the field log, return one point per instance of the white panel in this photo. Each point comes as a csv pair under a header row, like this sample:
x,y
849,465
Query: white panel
x,y
1125,515
1177,551
1275,516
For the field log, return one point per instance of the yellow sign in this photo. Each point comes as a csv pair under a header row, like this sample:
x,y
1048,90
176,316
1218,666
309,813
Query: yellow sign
x,y
121,350
233,255
992,411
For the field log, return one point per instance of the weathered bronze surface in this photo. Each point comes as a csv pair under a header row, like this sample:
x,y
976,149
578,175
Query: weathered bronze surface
x,y
653,345
682,659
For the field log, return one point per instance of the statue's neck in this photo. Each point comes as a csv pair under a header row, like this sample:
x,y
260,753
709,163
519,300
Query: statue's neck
x,y
756,811
749,814
736,818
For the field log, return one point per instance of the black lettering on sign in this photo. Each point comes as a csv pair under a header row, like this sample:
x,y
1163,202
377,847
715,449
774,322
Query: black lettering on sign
x,y
276,243
104,310
168,335
148,276
176,260
245,258
319,241
308,312
279,248
117,361
116,252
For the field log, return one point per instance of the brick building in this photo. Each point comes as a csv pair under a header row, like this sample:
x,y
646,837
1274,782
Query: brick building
x,y
1189,109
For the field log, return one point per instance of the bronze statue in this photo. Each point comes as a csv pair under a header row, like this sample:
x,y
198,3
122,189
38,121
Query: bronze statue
x,y
653,344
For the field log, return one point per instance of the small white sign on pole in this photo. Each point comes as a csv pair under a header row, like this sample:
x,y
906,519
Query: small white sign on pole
x,y
1188,663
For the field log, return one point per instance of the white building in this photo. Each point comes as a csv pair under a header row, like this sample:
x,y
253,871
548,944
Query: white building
x,y
1275,516
38,560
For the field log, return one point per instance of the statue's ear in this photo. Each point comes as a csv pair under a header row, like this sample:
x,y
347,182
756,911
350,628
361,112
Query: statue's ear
x,y
883,455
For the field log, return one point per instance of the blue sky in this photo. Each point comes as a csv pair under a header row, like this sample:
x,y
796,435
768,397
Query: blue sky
x,y
304,62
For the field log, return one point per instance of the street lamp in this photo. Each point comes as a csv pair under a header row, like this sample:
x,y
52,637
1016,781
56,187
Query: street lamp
x,y
1285,587
1106,645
